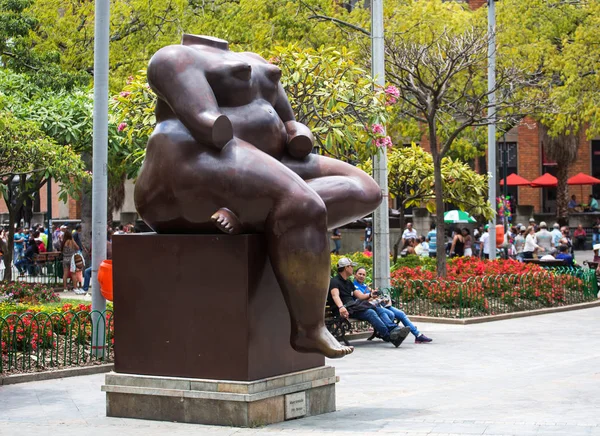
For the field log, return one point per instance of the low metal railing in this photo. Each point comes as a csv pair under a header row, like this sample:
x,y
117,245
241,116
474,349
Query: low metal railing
x,y
31,341
49,272
496,294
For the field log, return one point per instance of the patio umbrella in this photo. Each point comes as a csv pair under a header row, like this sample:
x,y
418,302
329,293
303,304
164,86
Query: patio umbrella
x,y
545,181
458,216
582,179
515,180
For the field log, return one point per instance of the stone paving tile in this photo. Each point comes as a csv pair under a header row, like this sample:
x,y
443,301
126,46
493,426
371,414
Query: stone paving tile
x,y
528,376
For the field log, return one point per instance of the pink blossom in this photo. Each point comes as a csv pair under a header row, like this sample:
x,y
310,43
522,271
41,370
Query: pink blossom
x,y
129,80
121,127
125,93
377,129
392,94
392,91
384,142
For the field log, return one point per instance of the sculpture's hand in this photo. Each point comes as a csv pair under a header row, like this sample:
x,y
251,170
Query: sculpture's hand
x,y
214,127
300,140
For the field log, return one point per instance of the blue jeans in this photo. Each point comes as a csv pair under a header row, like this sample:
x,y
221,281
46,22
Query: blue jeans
x,y
23,264
383,326
401,316
595,238
18,252
87,276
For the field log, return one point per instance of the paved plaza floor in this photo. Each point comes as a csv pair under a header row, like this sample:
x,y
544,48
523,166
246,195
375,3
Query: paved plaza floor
x,y
528,376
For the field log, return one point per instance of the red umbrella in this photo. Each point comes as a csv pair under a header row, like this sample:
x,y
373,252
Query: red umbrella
x,y
545,181
515,180
583,179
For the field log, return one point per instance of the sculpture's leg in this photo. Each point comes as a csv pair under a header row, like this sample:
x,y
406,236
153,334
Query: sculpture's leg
x,y
299,252
348,192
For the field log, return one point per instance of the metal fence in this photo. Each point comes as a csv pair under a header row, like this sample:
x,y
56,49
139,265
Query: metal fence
x,y
48,272
55,340
497,294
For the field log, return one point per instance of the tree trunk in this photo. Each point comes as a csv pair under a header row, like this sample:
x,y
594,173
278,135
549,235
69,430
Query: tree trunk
x,y
439,202
439,218
562,191
401,220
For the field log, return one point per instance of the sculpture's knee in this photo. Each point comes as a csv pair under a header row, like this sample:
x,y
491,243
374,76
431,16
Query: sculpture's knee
x,y
306,209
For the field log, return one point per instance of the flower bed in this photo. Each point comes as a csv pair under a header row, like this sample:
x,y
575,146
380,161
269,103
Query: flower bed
x,y
475,288
37,334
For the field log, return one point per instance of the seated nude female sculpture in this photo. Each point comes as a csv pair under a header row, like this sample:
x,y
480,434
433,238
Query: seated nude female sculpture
x,y
228,154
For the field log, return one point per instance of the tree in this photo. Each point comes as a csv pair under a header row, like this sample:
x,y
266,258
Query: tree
x,y
438,66
411,182
139,28
557,39
28,158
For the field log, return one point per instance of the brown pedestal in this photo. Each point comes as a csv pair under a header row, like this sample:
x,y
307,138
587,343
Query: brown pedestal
x,y
200,306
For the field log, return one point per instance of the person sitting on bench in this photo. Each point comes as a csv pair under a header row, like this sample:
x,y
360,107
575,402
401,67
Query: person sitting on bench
x,y
346,301
563,253
387,310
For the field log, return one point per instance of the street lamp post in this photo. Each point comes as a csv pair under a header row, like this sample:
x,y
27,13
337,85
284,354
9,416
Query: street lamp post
x,y
492,120
381,221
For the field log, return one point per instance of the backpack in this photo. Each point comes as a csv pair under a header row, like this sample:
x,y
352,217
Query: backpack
x,y
79,262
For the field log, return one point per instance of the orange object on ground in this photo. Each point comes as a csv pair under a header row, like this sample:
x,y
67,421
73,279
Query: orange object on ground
x,y
105,278
499,236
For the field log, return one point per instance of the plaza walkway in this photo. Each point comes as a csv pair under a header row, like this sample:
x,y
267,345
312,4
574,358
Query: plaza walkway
x,y
528,376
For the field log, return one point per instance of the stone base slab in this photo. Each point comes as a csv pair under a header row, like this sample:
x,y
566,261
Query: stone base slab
x,y
221,402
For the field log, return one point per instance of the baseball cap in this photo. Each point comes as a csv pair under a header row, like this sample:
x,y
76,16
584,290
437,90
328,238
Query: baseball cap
x,y
487,226
344,261
543,224
531,220
556,225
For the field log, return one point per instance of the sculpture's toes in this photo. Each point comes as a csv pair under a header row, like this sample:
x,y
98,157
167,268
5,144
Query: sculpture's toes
x,y
227,221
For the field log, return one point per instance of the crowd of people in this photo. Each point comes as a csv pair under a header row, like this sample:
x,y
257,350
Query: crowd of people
x,y
520,242
66,242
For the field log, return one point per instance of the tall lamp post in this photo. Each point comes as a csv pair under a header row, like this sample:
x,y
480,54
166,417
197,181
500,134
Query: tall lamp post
x,y
99,170
492,120
381,221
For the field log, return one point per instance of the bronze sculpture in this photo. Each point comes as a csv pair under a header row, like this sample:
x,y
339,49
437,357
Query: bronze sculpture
x,y
227,153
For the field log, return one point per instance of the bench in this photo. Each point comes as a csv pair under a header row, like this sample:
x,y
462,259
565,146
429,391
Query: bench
x,y
44,260
337,325
548,263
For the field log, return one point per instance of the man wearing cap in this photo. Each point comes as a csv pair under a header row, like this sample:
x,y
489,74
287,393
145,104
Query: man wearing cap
x,y
533,224
342,300
544,238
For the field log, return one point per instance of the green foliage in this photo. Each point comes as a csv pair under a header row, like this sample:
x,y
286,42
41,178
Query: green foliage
x,y
333,96
411,181
359,258
138,28
19,53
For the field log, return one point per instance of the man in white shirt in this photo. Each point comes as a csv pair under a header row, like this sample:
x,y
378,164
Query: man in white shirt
x,y
556,236
409,233
544,237
485,242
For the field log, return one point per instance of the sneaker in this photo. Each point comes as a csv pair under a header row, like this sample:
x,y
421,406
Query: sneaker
x,y
422,339
79,291
398,335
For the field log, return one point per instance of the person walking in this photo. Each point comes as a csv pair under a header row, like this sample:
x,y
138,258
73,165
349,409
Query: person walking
x,y
69,249
468,242
432,238
336,237
596,232
457,249
530,243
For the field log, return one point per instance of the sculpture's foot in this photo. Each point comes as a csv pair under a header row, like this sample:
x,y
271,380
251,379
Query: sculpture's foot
x,y
227,221
319,340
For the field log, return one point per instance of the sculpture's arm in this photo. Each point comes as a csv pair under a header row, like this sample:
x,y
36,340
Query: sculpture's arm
x,y
300,139
176,74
